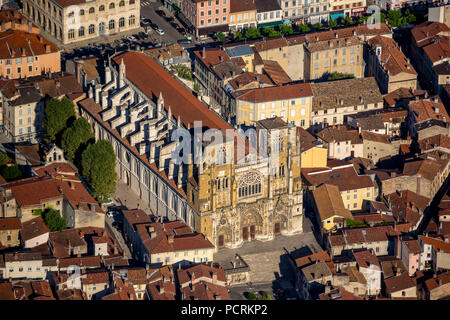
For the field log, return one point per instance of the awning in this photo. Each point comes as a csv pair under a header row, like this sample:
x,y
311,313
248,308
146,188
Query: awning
x,y
270,24
336,16
359,10
208,30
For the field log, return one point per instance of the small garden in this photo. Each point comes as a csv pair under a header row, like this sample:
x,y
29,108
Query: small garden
x,y
52,219
262,295
350,223
8,168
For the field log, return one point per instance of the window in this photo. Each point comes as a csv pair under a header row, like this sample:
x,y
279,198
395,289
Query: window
x,y
121,3
71,34
132,20
101,8
81,12
91,29
111,5
91,10
293,113
111,24
316,65
122,22
81,32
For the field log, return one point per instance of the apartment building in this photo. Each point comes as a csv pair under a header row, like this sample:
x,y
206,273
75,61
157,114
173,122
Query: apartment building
x,y
387,63
341,142
291,102
68,22
268,13
337,54
312,151
312,11
9,232
24,52
353,188
165,243
207,16
347,8
242,15
331,105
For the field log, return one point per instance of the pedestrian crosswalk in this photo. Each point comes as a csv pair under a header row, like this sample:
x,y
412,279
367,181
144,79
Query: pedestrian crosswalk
x,y
145,3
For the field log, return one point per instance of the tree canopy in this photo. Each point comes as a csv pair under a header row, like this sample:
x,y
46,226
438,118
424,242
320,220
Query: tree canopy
x,y
98,165
252,33
11,172
339,76
4,159
57,116
286,29
238,36
220,36
53,220
304,28
76,137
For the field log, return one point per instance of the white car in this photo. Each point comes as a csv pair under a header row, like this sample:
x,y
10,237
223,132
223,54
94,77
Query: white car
x,y
131,38
160,32
110,214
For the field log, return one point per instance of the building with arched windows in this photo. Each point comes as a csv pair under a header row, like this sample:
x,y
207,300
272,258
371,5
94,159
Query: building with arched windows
x,y
72,21
231,193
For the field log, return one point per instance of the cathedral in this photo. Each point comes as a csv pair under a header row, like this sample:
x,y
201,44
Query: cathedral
x,y
240,189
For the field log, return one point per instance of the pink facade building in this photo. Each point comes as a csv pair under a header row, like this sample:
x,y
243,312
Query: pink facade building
x,y
207,16
410,255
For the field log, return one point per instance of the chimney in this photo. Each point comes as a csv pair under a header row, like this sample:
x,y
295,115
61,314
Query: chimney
x,y
170,239
47,48
204,53
171,167
214,277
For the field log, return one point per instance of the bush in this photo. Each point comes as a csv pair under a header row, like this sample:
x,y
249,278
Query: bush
x,y
339,76
304,28
353,223
4,159
11,172
238,36
53,220
286,29
252,33
220,36
251,296
183,71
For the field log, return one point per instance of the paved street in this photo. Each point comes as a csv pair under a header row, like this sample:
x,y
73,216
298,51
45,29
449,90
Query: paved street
x,y
170,33
269,263
117,235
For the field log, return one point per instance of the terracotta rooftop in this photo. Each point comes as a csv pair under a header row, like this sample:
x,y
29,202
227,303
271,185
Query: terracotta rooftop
x,y
395,96
437,51
375,137
391,58
307,140
329,202
242,5
412,245
344,178
312,258
340,134
427,30
425,110
200,271
438,244
426,168
10,224
268,94
399,283
33,228
437,281
16,43
248,80
391,266
361,235
276,73
366,258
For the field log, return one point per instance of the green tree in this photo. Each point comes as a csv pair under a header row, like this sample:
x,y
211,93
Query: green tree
x,y
363,19
410,17
4,159
251,296
238,36
252,33
395,18
339,76
98,165
332,23
53,220
348,21
183,71
220,36
286,29
304,28
57,116
267,30
76,137
317,26
11,172
196,87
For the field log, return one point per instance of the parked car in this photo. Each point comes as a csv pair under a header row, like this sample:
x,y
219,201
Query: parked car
x,y
160,32
184,41
160,13
181,30
188,36
143,35
132,38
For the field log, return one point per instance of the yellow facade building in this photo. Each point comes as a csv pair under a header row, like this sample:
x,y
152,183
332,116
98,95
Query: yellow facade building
x,y
313,154
242,15
334,54
291,102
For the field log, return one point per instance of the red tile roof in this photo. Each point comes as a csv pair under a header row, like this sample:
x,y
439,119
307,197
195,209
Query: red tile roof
x,y
312,258
198,271
425,110
16,43
339,294
289,91
437,281
10,224
33,228
437,243
399,283
392,58
413,246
